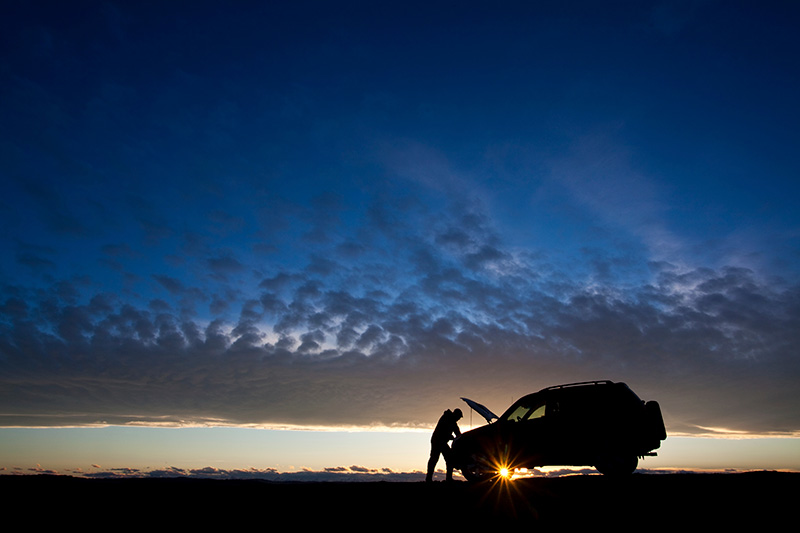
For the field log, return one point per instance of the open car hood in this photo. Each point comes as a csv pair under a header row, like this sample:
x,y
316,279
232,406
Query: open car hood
x,y
481,410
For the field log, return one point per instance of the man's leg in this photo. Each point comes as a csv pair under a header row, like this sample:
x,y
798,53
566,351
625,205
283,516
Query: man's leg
x,y
432,462
448,461
436,449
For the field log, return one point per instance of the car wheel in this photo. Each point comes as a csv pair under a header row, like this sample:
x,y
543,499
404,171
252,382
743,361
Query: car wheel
x,y
471,475
475,471
617,465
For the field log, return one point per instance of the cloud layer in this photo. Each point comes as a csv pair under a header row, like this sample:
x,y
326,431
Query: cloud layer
x,y
374,339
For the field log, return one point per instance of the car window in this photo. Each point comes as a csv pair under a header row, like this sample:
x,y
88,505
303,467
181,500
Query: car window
x,y
518,414
538,412
526,412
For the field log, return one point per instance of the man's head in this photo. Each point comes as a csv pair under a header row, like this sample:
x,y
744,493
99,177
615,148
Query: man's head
x,y
458,413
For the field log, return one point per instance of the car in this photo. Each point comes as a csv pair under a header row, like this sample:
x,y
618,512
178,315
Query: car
x,y
602,424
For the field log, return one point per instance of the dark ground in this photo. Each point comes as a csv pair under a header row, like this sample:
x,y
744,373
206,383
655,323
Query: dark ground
x,y
643,502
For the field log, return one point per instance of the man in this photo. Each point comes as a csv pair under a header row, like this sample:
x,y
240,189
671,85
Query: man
x,y
446,430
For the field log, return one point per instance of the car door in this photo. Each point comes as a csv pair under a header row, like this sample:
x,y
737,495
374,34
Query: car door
x,y
529,433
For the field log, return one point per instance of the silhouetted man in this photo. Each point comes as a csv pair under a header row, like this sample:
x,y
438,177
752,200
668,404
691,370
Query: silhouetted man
x,y
446,430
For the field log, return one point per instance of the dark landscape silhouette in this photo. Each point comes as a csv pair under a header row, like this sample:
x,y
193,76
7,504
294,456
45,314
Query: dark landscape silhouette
x,y
641,501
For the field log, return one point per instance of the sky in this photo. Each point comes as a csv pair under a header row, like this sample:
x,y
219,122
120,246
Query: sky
x,y
288,235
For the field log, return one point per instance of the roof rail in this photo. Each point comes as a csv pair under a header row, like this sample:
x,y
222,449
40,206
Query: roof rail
x,y
598,382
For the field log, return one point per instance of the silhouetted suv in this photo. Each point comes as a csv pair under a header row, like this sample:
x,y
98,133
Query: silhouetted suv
x,y
597,423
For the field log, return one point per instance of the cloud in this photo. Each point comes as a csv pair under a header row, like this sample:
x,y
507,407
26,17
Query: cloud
x,y
434,305
714,346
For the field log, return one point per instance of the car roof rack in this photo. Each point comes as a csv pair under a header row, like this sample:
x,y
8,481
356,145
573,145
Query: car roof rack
x,y
579,383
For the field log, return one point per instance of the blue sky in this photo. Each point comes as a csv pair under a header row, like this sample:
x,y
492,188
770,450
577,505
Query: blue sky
x,y
348,215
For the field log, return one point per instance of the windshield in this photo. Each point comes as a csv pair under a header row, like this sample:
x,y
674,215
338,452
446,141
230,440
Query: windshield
x,y
527,408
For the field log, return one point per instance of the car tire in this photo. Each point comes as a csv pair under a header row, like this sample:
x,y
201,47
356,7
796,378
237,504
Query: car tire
x,y
476,470
617,465
471,475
